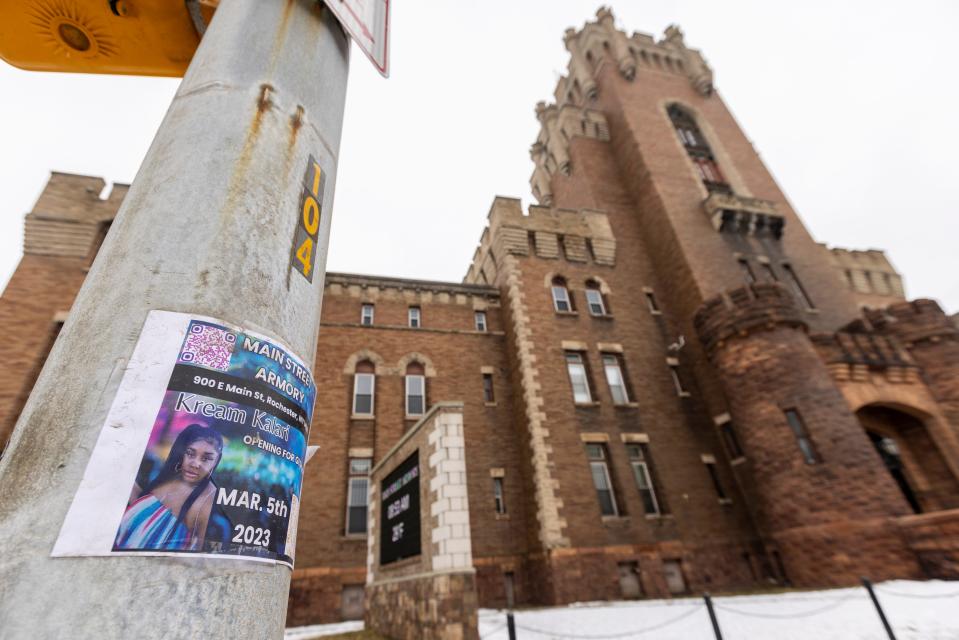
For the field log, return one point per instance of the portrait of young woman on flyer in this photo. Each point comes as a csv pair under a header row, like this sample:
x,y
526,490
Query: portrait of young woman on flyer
x,y
173,510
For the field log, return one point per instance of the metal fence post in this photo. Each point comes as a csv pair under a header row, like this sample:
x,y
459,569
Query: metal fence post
x,y
712,616
875,601
511,626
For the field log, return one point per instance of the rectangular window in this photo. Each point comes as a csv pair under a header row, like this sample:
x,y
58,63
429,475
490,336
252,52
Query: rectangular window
x,y
499,501
677,381
479,319
747,270
720,493
366,315
802,436
596,453
357,495
363,388
561,299
799,290
578,378
415,395
651,302
488,388
641,463
594,300
615,379
414,317
731,440
770,272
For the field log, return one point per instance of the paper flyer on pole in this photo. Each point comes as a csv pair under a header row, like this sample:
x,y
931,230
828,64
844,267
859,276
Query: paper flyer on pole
x,y
202,451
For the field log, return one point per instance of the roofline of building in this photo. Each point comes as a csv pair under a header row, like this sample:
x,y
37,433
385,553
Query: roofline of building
x,y
406,283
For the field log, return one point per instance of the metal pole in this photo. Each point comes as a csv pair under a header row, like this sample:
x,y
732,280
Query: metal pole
x,y
712,616
875,601
511,625
206,228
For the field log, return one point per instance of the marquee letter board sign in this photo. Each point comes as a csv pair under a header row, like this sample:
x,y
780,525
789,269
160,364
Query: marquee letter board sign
x,y
400,512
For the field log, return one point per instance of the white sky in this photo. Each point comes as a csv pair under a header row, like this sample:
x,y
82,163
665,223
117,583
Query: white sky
x,y
851,105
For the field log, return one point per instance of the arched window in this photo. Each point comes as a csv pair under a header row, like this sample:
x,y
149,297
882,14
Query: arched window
x,y
415,389
562,301
698,149
364,387
595,300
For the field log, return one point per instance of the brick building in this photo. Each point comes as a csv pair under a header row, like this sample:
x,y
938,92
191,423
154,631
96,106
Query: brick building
x,y
667,385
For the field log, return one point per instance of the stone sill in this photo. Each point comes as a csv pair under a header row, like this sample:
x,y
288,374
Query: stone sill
x,y
684,394
659,516
627,405
489,404
616,520
502,516
737,461
586,405
605,316
362,417
567,314
725,501
655,312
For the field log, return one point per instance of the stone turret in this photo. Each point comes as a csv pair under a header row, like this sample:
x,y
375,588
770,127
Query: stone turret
x,y
819,484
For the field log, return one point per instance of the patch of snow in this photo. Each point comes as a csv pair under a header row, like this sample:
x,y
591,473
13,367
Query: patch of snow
x,y
320,630
916,611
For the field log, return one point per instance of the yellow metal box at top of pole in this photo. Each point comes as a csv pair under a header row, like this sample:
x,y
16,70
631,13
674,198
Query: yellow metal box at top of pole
x,y
134,37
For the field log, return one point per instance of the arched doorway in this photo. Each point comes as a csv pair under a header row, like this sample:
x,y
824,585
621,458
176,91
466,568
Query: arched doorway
x,y
911,457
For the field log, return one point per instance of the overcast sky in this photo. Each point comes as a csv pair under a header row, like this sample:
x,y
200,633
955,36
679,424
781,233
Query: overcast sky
x,y
852,105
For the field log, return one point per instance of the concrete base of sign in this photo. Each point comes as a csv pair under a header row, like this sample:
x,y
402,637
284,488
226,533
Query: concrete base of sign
x,y
430,595
432,607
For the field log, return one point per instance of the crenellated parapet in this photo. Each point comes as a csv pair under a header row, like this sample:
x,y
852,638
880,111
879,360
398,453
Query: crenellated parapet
x,y
597,44
550,152
600,42
740,312
576,235
69,216
913,323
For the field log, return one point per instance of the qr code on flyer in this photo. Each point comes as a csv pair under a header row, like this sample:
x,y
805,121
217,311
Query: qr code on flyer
x,y
208,346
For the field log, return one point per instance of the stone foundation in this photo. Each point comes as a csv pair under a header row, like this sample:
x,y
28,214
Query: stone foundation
x,y
433,607
837,555
934,538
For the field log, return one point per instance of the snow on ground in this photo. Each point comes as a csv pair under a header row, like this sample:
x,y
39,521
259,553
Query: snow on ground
x,y
320,630
916,611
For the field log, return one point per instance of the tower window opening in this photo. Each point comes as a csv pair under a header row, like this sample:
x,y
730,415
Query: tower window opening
x,y
698,149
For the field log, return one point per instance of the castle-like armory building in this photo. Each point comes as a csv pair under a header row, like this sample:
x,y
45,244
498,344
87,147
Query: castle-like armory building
x,y
668,386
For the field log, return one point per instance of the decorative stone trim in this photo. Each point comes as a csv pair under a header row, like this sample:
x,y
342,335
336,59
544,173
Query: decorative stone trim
x,y
609,347
722,419
379,364
749,216
594,437
545,485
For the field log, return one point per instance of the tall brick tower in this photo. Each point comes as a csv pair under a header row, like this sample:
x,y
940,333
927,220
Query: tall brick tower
x,y
655,205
